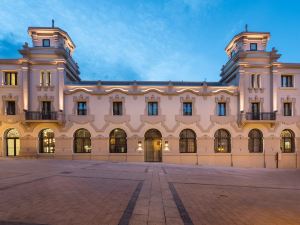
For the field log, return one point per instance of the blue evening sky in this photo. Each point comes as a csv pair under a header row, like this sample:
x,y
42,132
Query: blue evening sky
x,y
152,40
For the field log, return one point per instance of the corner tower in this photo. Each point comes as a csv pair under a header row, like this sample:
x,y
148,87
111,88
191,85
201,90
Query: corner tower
x,y
249,67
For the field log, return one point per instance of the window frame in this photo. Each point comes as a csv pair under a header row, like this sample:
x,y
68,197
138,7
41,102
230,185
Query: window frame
x,y
10,111
187,137
187,108
224,109
10,78
287,139
81,111
50,143
287,83
117,141
82,141
44,41
117,108
253,49
220,136
255,138
289,112
152,111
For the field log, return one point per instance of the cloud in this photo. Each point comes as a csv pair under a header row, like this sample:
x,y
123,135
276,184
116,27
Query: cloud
x,y
9,47
118,39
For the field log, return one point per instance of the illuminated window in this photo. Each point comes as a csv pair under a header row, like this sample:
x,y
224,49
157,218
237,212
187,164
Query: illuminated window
x,y
187,142
82,141
117,141
222,141
255,141
46,42
47,141
187,108
12,139
45,79
255,81
10,78
287,142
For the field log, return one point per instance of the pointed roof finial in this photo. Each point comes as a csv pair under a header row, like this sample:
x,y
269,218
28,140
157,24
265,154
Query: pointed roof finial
x,y
52,23
246,28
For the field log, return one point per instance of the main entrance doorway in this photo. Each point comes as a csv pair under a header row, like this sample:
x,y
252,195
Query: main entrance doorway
x,y
153,146
12,139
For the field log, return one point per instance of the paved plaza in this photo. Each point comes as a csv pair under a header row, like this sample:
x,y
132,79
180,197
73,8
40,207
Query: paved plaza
x,y
61,192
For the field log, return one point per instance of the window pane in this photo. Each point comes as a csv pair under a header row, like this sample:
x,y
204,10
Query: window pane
x,y
187,108
221,109
117,108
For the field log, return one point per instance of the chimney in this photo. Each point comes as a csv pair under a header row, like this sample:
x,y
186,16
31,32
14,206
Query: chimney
x,y
52,23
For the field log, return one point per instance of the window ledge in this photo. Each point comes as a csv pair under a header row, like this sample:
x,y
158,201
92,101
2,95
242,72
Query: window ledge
x,y
152,119
288,119
10,86
117,118
222,119
187,119
45,88
11,118
81,119
287,88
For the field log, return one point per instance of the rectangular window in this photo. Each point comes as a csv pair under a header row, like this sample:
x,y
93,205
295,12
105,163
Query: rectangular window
x,y
287,109
11,78
187,108
46,110
117,109
287,81
46,42
253,46
152,108
255,81
81,108
10,108
222,109
45,79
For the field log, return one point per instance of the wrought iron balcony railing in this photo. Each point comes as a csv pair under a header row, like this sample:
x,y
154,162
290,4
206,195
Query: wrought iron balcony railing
x,y
261,116
29,115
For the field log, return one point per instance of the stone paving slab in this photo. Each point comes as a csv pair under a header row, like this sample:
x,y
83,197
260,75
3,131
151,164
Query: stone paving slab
x,y
87,192
218,205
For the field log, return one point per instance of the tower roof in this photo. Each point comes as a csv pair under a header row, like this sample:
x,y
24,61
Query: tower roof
x,y
44,31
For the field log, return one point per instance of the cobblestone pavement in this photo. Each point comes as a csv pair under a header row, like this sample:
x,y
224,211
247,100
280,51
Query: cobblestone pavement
x,y
61,192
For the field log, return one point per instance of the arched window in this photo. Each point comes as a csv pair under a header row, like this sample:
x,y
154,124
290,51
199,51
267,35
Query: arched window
x,y
187,142
222,141
255,141
287,141
12,138
117,141
82,141
47,141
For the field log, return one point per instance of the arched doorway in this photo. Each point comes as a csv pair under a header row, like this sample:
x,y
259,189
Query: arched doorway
x,y
12,139
153,146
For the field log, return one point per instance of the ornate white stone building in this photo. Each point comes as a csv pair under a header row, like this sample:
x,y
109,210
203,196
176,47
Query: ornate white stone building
x,y
250,118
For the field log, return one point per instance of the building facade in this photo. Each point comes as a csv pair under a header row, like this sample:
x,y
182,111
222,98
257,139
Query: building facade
x,y
249,118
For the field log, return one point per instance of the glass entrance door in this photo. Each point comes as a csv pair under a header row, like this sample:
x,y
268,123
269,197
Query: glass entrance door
x,y
255,111
12,143
153,146
46,110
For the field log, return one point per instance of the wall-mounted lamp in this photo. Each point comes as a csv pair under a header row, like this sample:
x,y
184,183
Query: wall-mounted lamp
x,y
166,147
139,148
